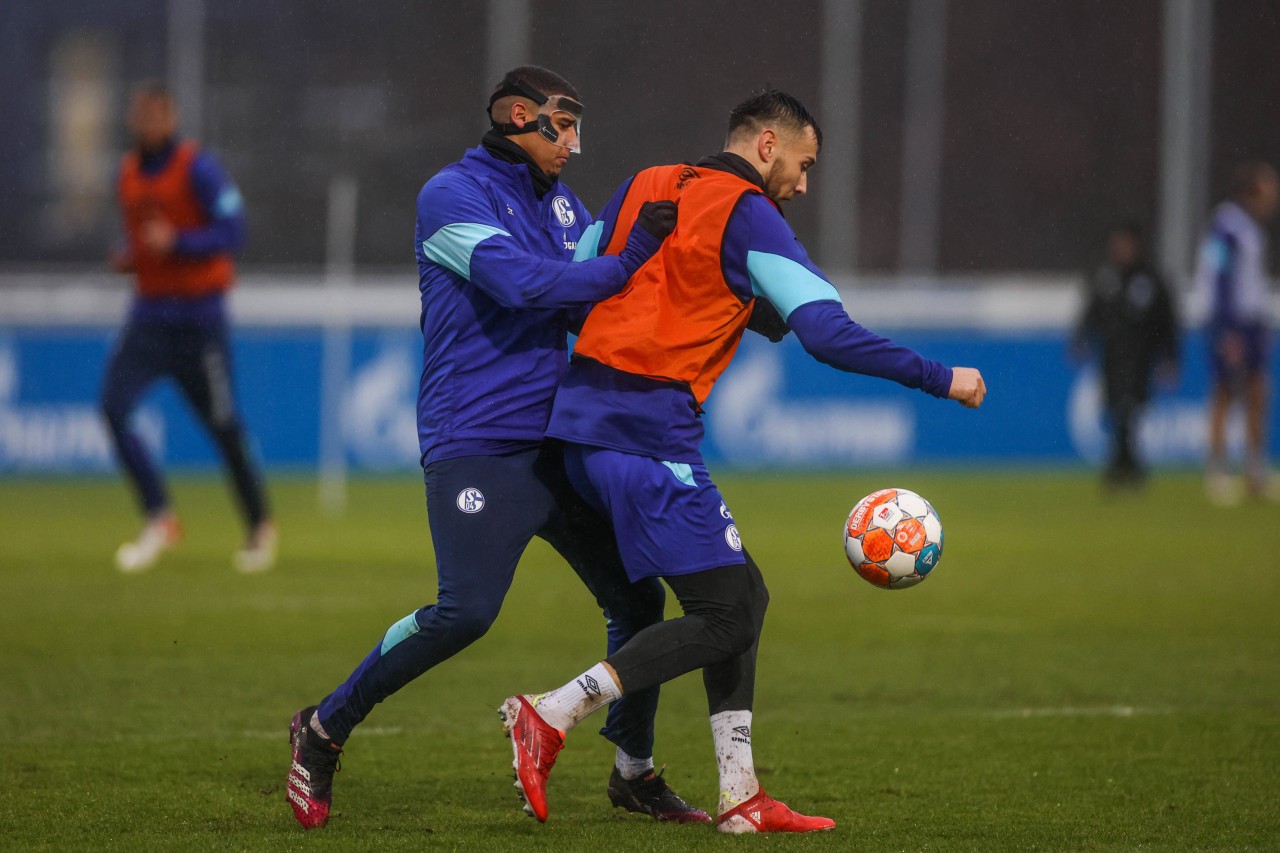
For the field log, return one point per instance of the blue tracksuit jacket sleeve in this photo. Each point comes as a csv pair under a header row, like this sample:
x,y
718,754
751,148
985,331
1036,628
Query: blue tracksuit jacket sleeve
x,y
466,234
779,269
592,243
221,201
600,232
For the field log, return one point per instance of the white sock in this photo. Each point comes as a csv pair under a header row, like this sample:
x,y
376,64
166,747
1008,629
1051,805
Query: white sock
x,y
731,734
631,767
316,727
1255,469
567,706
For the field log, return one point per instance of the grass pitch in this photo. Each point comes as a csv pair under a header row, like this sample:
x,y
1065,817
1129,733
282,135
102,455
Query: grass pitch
x,y
1081,673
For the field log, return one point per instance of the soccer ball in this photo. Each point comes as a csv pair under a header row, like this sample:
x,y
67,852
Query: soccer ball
x,y
893,538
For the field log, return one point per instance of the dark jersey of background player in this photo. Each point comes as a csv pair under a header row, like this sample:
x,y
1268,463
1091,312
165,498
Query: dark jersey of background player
x,y
495,239
183,219
1129,316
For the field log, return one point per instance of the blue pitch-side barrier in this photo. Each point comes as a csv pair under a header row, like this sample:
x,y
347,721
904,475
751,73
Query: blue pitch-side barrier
x,y
775,407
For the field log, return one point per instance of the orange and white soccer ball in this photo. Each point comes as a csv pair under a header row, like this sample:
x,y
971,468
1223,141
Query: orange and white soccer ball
x,y
893,538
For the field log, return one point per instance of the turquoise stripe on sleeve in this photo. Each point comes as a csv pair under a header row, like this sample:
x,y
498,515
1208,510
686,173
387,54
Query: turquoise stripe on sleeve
x,y
453,244
1221,255
785,283
399,632
228,204
682,472
589,242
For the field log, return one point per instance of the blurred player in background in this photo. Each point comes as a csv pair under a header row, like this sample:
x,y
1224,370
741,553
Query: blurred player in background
x,y
629,410
1232,280
1128,316
183,219
496,237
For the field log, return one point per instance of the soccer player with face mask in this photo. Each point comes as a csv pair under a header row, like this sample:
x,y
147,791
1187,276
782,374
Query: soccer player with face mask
x,y
629,411
495,242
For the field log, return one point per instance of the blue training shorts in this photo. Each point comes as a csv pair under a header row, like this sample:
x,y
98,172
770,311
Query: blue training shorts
x,y
669,517
1253,342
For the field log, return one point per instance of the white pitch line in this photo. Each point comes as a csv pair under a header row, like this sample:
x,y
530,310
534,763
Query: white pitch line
x,y
1072,711
365,731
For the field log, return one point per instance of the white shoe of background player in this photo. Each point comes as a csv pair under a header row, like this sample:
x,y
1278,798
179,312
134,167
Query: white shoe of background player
x,y
1222,489
160,533
1263,485
259,553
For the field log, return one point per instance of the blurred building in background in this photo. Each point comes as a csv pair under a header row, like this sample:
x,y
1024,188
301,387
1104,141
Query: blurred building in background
x,y
962,137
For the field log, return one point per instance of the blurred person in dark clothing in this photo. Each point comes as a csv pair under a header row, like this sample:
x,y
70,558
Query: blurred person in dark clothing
x,y
1130,322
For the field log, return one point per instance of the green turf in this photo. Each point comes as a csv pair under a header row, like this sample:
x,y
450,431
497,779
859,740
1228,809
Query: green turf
x,y
1082,673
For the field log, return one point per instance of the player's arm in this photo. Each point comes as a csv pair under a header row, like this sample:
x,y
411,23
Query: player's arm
x,y
765,319
589,247
120,256
1166,322
222,204
1090,315
468,237
598,234
780,270
591,243
1215,282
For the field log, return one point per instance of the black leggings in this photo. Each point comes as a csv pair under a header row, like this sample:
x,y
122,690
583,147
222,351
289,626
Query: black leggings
x,y
719,633
197,356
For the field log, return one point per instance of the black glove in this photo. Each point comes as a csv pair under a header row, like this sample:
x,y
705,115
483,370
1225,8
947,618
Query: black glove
x,y
765,320
656,221
658,218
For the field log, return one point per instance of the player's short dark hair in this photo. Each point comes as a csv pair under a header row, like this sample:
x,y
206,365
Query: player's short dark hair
x,y
1246,177
772,107
153,87
542,79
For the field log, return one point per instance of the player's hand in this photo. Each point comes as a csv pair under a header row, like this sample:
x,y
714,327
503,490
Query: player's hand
x,y
158,236
766,320
658,218
1231,349
120,260
967,387
656,221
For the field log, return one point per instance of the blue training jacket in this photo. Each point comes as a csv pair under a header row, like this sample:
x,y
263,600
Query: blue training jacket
x,y
499,294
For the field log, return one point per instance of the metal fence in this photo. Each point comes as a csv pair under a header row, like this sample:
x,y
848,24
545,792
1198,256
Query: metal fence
x,y
961,135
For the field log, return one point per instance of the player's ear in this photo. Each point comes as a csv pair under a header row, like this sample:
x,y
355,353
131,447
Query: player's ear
x,y
520,113
766,144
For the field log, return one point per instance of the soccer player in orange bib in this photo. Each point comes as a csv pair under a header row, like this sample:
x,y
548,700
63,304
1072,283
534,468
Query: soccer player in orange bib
x,y
628,412
183,218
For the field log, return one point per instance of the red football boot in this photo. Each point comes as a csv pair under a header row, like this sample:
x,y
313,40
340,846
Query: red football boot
x,y
536,745
762,813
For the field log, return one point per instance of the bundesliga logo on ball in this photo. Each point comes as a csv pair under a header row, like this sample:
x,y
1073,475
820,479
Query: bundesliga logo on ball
x,y
893,538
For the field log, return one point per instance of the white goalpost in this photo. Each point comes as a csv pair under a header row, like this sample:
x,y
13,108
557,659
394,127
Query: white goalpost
x,y
340,249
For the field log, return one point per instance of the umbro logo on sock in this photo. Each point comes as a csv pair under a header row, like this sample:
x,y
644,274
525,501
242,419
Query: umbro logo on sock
x,y
744,735
589,685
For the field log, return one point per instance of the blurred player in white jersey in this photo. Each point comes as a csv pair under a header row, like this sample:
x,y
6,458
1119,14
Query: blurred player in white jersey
x,y
1232,281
